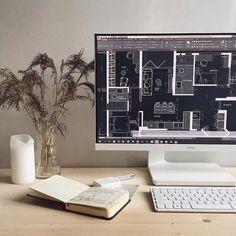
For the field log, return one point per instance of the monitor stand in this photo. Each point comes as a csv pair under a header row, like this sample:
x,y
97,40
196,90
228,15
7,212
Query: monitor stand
x,y
198,174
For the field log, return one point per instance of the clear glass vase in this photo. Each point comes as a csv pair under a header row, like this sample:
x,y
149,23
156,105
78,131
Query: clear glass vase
x,y
48,164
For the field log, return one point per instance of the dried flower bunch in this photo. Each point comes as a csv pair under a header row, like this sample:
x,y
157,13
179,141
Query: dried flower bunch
x,y
44,93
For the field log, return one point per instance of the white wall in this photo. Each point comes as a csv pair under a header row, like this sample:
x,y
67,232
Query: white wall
x,y
62,27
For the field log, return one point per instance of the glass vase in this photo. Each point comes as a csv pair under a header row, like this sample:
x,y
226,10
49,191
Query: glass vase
x,y
48,165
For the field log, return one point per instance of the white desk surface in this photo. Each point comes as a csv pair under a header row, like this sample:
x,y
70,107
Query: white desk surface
x,y
22,215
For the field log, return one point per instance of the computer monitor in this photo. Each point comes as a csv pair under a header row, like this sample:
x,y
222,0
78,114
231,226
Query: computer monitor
x,y
168,92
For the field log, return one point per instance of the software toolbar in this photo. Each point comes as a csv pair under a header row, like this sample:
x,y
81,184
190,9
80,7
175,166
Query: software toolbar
x,y
168,43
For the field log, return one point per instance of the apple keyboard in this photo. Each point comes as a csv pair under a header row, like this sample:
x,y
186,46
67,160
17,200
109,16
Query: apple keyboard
x,y
194,199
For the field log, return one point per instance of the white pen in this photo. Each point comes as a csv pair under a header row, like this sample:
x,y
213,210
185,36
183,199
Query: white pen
x,y
112,181
124,177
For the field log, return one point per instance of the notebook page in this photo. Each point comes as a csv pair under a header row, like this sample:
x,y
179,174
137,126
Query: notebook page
x,y
100,197
59,187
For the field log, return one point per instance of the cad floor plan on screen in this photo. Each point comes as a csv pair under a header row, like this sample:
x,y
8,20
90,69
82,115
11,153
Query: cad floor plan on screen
x,y
164,87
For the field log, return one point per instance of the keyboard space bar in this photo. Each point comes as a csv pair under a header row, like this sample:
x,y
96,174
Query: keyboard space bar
x,y
211,207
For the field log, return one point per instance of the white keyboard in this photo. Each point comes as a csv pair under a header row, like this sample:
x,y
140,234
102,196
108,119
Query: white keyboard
x,y
194,199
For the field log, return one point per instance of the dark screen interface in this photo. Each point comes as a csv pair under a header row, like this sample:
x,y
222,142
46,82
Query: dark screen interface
x,y
166,89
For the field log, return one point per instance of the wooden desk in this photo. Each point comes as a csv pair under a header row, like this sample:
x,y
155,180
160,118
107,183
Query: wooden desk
x,y
21,215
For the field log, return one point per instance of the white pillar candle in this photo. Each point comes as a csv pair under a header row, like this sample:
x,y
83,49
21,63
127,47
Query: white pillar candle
x,y
22,159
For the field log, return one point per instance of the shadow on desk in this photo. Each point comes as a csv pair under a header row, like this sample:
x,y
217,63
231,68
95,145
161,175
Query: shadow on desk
x,y
50,204
149,201
5,179
26,199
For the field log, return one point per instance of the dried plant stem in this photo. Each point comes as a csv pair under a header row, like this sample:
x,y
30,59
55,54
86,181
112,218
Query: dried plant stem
x,y
30,112
47,152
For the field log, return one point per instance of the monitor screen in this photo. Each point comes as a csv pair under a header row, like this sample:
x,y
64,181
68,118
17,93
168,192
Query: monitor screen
x,y
165,89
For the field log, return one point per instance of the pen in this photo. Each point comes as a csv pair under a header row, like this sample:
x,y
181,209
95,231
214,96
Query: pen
x,y
124,177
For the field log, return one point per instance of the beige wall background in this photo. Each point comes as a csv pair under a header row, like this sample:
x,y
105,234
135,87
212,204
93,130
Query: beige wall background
x,y
62,27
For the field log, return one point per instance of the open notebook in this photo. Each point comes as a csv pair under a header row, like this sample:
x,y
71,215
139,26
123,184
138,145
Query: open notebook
x,y
96,201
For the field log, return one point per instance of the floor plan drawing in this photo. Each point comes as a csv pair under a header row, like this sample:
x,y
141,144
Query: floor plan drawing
x,y
165,93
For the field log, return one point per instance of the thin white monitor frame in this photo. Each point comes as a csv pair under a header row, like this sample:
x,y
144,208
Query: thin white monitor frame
x,y
166,173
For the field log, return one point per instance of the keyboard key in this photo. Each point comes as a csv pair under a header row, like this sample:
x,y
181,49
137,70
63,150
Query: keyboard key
x,y
177,202
186,206
184,202
160,206
211,206
233,206
164,201
168,206
177,206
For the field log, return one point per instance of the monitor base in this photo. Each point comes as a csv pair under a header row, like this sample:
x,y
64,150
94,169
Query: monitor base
x,y
163,172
